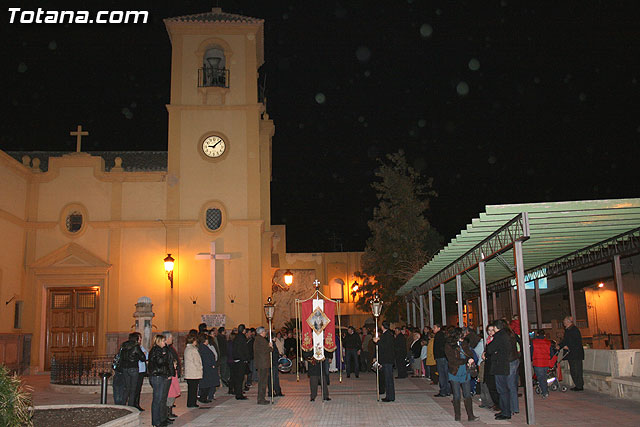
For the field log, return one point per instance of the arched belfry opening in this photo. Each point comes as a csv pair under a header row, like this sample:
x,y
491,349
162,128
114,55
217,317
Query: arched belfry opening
x,y
214,72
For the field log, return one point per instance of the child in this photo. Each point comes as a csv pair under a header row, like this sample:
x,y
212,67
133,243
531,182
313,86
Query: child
x,y
423,357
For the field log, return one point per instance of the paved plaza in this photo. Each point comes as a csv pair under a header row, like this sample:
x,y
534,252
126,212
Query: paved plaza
x,y
354,404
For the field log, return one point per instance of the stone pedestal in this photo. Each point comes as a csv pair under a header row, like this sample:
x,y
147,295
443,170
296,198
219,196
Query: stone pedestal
x,y
143,316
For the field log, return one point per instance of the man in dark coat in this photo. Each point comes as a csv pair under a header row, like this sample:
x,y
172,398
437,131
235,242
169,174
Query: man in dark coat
x,y
352,346
386,353
401,353
572,341
222,355
504,365
209,374
441,361
130,355
316,371
261,353
240,352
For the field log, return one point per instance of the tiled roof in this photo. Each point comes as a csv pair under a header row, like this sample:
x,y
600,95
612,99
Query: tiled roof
x,y
216,15
132,161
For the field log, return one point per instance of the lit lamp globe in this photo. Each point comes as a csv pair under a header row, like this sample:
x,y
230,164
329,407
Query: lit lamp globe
x,y
376,306
168,267
168,263
288,278
269,309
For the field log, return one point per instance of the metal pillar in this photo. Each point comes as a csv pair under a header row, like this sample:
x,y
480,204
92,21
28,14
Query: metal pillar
x,y
421,313
431,323
622,311
514,301
460,302
538,305
443,305
413,307
524,325
483,297
495,306
572,298
408,313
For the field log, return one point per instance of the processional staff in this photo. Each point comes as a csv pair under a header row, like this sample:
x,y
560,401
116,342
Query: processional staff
x,y
269,310
376,309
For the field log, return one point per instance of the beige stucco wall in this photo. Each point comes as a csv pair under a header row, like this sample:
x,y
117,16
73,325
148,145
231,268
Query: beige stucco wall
x,y
144,200
13,196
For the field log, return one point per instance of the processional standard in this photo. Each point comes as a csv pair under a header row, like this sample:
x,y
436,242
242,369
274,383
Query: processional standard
x,y
315,321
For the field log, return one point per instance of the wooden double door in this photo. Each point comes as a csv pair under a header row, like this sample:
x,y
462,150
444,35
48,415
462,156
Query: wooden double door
x,y
72,322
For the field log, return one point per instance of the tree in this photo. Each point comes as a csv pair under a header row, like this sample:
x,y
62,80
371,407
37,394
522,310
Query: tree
x,y
402,239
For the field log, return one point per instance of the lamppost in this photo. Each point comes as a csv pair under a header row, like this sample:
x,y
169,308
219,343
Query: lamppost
x,y
376,309
168,267
269,309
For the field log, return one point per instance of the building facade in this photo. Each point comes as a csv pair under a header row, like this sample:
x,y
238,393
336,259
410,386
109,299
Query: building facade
x,y
87,233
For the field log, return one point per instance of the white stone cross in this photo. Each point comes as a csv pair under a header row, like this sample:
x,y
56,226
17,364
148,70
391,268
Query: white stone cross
x,y
79,134
213,256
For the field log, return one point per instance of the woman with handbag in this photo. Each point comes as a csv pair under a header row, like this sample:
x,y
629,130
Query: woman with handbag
x,y
460,360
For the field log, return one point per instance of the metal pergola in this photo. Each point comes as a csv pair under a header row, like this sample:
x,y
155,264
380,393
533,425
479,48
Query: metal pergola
x,y
558,237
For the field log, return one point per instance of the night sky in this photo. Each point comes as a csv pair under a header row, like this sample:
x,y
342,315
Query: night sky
x,y
498,101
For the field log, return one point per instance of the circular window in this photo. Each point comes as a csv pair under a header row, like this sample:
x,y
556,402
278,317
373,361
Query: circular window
x,y
213,216
73,219
213,219
74,222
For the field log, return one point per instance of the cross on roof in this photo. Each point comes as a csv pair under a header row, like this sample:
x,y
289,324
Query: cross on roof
x,y
79,134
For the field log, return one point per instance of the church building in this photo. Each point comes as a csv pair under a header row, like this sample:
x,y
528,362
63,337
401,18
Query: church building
x,y
87,234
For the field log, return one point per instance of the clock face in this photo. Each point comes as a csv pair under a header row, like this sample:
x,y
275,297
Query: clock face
x,y
213,146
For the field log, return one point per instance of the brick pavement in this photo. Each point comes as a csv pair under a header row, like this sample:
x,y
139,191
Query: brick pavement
x,y
354,403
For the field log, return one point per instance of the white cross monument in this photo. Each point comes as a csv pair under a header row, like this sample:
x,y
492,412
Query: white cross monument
x,y
213,256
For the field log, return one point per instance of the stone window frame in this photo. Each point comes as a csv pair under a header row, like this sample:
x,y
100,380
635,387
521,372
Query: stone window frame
x,y
215,42
213,204
68,210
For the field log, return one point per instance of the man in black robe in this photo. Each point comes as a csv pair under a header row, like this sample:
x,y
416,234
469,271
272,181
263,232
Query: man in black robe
x,y
386,353
316,372
240,361
400,351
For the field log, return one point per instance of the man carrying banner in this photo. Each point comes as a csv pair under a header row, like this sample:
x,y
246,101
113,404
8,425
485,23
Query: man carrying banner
x,y
318,341
317,374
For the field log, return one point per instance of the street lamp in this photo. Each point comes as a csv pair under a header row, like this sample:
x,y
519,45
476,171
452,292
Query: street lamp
x,y
168,267
288,278
376,309
269,310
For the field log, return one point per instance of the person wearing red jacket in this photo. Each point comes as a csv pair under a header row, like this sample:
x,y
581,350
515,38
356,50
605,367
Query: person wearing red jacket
x,y
541,358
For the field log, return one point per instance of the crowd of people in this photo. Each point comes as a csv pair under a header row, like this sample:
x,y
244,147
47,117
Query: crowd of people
x,y
461,361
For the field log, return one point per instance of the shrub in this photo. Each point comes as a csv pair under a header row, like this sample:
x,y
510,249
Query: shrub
x,y
15,401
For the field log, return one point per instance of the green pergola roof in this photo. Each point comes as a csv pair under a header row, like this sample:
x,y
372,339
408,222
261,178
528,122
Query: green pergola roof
x,y
556,230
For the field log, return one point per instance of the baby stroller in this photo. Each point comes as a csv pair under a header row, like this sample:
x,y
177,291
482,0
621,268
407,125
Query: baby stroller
x,y
553,381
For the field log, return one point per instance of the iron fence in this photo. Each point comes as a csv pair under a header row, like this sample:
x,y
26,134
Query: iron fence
x,y
80,370
213,77
85,370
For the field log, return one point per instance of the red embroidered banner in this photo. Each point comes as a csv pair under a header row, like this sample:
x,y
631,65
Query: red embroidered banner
x,y
330,329
318,326
307,334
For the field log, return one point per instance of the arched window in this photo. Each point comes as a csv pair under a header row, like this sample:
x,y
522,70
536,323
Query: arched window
x,y
214,72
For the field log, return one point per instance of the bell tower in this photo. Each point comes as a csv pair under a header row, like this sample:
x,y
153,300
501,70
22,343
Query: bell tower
x,y
219,153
